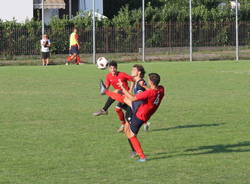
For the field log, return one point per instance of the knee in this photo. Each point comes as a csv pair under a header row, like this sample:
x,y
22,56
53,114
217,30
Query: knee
x,y
128,132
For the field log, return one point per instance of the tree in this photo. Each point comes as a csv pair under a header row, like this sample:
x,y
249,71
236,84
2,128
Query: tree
x,y
112,7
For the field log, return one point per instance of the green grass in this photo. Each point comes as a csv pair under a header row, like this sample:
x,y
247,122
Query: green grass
x,y
200,134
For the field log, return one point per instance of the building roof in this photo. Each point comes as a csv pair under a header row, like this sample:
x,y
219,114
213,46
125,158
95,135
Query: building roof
x,y
49,4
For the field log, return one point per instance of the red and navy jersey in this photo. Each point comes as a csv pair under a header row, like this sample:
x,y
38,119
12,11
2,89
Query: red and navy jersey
x,y
113,80
138,88
152,99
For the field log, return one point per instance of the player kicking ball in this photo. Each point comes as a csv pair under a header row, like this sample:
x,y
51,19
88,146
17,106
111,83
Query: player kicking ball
x,y
112,79
140,85
152,98
138,72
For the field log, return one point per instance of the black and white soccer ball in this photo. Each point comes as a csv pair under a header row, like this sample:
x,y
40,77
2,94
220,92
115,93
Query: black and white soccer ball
x,y
102,63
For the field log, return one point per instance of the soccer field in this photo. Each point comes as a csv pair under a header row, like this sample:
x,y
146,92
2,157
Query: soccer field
x,y
199,135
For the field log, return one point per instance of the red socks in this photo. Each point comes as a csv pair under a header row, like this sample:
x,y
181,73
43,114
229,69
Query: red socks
x,y
68,58
116,96
78,59
72,58
120,115
137,146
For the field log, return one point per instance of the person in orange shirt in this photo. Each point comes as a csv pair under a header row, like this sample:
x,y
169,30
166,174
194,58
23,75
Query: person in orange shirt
x,y
74,48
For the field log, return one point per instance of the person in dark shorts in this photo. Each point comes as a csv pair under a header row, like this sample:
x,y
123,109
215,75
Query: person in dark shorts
x,y
151,98
45,45
140,85
112,80
74,48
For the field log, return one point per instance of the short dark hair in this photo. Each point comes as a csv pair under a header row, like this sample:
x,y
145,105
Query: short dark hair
x,y
141,69
113,63
155,78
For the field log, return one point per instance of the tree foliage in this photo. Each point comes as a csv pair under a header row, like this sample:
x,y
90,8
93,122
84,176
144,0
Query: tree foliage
x,y
125,26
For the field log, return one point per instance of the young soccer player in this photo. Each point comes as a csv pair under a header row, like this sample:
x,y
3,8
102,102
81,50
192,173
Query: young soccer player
x,y
140,85
138,73
112,79
74,48
152,98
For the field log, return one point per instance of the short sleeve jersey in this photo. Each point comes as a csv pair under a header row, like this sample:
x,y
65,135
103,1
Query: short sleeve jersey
x,y
152,99
113,80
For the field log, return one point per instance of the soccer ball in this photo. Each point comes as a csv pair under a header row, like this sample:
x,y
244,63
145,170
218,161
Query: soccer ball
x,y
102,63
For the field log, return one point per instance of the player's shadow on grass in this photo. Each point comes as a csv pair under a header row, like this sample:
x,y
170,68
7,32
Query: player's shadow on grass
x,y
220,148
202,150
188,126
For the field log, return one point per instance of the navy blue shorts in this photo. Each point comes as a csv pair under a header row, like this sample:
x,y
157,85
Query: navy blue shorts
x,y
131,111
136,105
74,50
135,124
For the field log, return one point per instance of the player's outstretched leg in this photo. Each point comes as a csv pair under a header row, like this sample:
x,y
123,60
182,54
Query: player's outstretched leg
x,y
116,96
102,87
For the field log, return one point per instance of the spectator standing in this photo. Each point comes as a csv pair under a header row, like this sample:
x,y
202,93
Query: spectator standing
x,y
45,44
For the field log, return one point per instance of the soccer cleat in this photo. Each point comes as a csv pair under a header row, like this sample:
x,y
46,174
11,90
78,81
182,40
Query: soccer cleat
x,y
121,129
133,154
100,112
142,160
146,126
102,87
66,63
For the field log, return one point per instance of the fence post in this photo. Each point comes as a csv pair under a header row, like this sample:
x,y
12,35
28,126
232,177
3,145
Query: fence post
x,y
93,22
42,16
237,31
70,9
143,30
190,32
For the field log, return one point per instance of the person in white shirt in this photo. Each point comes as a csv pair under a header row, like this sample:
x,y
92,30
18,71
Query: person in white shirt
x,y
45,44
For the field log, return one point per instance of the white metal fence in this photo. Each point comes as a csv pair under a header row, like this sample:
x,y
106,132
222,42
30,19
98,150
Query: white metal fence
x,y
166,41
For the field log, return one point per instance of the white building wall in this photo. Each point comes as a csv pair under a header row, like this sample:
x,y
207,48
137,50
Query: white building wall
x,y
86,5
20,10
49,14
